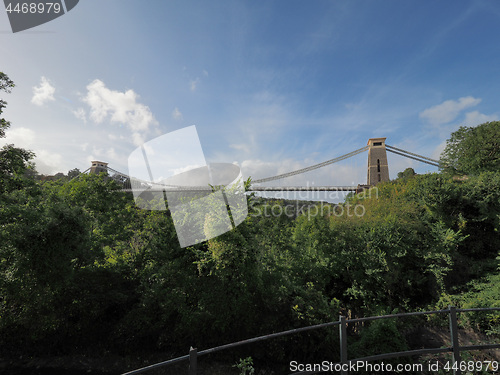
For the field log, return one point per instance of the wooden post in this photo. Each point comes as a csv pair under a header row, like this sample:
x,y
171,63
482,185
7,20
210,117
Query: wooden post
x,y
454,340
193,361
343,342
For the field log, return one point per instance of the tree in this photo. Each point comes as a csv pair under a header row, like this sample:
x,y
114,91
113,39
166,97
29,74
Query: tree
x,y
408,172
14,162
73,173
471,150
6,84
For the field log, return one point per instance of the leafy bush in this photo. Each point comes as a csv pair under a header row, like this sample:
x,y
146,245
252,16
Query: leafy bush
x,y
378,337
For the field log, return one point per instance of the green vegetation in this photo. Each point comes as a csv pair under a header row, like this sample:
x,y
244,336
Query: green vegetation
x,y
6,84
245,366
83,270
473,149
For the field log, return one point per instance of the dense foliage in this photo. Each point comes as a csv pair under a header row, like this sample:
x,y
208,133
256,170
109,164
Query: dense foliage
x,y
6,85
471,150
83,269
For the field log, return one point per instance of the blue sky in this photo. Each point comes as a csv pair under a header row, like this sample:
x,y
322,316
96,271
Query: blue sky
x,y
272,85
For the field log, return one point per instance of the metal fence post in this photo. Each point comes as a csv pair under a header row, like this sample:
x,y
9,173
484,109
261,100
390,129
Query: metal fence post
x,y
193,361
343,343
454,340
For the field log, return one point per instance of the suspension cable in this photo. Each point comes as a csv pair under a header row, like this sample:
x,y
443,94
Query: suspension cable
x,y
313,167
389,148
411,153
81,173
414,158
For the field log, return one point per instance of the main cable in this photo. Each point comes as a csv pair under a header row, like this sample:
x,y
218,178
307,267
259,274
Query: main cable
x,y
312,167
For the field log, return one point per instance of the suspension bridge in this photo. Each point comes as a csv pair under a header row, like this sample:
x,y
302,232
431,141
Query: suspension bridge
x,y
377,171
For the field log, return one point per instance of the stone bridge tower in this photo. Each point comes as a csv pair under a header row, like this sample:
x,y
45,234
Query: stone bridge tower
x,y
378,169
98,167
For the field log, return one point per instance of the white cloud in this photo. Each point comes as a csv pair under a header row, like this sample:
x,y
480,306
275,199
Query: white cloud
x,y
176,114
476,118
177,171
97,151
193,84
121,107
20,137
449,110
137,139
46,162
436,154
111,154
259,125
241,147
43,93
80,114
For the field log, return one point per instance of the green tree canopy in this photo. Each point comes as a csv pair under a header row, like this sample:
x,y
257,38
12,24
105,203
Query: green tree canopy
x,y
6,84
471,150
14,162
408,172
73,173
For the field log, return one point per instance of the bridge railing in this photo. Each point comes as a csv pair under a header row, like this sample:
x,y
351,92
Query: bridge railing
x,y
344,362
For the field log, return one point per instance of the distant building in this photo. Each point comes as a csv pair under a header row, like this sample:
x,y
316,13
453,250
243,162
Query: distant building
x,y
378,169
98,167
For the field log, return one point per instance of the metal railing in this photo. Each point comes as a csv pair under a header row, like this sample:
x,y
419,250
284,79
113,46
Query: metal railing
x,y
344,362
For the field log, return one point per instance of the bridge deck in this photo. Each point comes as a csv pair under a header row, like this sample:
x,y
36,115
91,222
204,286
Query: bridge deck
x,y
260,188
305,188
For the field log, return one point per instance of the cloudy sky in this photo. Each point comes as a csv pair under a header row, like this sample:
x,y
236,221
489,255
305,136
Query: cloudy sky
x,y
270,85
